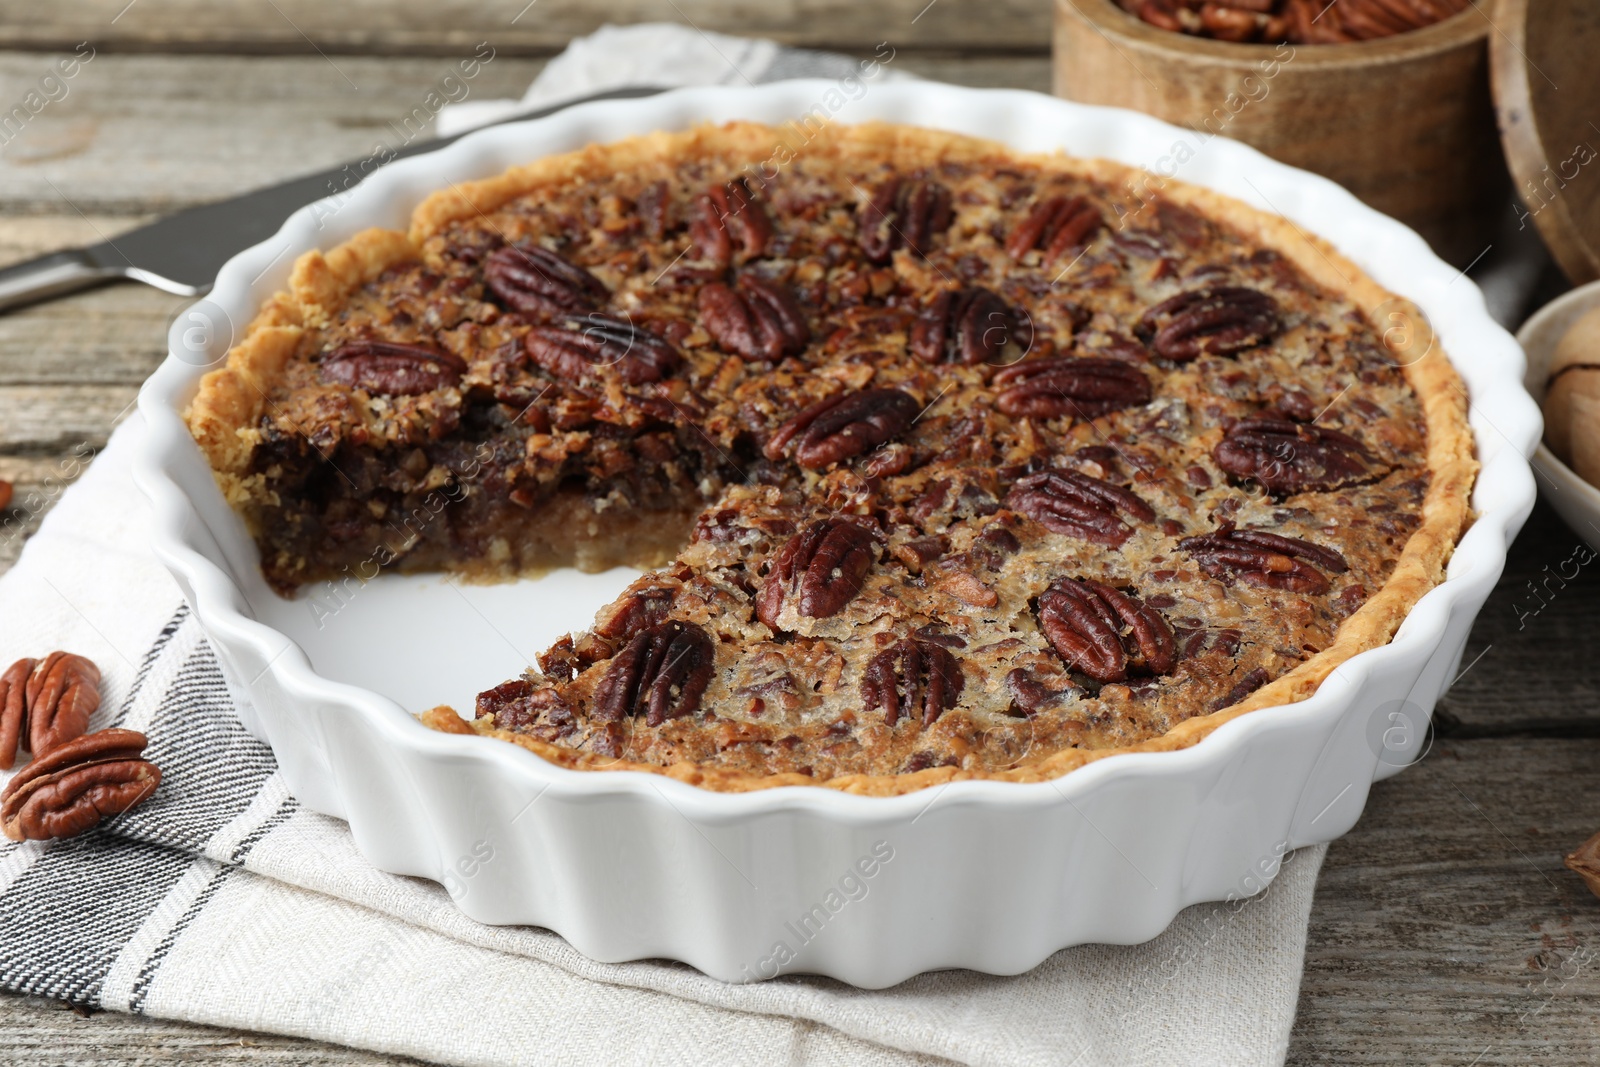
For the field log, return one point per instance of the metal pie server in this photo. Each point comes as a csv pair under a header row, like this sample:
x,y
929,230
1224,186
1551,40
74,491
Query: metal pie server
x,y
181,253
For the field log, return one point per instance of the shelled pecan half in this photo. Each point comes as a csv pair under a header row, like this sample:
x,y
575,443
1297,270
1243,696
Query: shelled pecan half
x,y
1054,225
970,325
391,368
1292,457
757,319
730,225
1067,502
646,607
596,341
662,672
536,281
14,711
1216,321
904,213
1257,557
1084,386
913,677
72,787
824,565
843,426
46,703
1096,628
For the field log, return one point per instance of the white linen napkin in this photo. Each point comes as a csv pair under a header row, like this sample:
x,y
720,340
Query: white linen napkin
x,y
664,55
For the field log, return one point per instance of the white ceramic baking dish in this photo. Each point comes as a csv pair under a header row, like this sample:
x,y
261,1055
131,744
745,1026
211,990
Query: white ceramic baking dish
x,y
986,875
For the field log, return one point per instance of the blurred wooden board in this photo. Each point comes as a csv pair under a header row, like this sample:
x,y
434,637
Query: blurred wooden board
x,y
516,27
1547,96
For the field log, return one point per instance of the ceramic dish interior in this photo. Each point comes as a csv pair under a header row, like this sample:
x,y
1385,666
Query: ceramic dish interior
x,y
1574,499
627,865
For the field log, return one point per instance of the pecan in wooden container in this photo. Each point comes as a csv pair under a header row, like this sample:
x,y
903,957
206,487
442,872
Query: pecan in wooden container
x,y
1405,122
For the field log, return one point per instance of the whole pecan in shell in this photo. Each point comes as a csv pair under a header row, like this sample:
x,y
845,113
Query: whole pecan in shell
x,y
904,213
913,677
969,326
1257,557
1084,386
597,341
535,281
1067,502
663,672
843,426
1055,224
825,564
756,319
391,368
1215,321
1290,457
1094,628
730,225
72,787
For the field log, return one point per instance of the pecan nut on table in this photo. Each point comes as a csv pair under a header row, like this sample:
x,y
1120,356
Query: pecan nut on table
x,y
76,778
1293,21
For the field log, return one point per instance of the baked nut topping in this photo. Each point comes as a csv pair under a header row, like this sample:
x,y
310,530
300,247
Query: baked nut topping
x,y
537,282
950,462
904,213
392,369
1055,225
1095,628
662,672
1262,558
1289,457
1085,386
843,427
1066,502
917,678
821,567
1217,322
756,318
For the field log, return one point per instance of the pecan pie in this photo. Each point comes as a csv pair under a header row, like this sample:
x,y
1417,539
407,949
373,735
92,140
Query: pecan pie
x,y
951,462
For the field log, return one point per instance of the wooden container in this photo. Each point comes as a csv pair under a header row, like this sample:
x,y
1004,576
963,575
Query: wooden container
x,y
1546,85
1405,123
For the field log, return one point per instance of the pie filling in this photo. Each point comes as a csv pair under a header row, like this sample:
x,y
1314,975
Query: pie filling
x,y
950,462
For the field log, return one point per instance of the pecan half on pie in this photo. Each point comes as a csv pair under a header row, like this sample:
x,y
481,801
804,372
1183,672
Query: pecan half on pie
x,y
951,462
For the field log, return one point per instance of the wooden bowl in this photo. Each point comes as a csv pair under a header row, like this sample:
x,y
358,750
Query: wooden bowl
x,y
1405,122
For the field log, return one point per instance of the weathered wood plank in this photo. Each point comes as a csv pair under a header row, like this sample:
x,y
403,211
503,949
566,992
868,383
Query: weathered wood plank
x,y
144,134
1445,929
133,136
514,26
38,1031
1529,665
53,420
114,336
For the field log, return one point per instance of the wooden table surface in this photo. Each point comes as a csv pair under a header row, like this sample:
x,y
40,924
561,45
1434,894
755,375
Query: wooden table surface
x,y
1445,929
